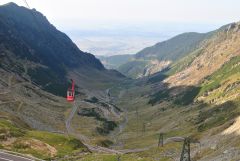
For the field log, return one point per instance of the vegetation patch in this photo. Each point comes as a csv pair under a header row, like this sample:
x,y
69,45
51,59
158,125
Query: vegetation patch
x,y
92,100
217,115
133,68
106,126
159,96
185,97
40,144
7,129
105,143
214,81
49,80
183,63
157,78
188,96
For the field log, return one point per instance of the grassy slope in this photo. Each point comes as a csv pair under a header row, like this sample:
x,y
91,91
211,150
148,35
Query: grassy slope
x,y
133,68
183,63
223,85
230,71
19,138
172,120
173,49
196,120
113,62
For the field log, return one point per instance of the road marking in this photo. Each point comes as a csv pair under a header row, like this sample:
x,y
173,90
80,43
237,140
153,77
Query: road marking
x,y
17,156
5,159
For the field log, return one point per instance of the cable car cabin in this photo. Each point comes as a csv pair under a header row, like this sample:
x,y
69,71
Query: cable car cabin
x,y
71,93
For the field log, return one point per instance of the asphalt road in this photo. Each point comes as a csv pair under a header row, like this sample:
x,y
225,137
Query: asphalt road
x,y
12,157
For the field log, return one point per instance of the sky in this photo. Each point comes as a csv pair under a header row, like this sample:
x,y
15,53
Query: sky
x,y
93,22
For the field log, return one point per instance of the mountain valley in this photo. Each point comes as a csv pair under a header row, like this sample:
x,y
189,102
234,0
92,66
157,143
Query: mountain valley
x,y
183,89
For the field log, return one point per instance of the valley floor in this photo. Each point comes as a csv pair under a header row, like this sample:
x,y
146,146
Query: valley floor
x,y
116,123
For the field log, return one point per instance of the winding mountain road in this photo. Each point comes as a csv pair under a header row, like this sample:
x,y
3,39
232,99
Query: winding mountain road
x,y
69,119
11,157
92,147
83,138
103,149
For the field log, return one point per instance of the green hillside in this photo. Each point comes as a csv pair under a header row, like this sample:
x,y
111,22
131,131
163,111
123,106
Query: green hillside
x,y
172,50
133,69
224,84
113,62
17,136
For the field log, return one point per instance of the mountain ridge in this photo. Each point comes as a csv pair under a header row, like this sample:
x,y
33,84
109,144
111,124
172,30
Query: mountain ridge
x,y
113,62
165,53
36,50
36,63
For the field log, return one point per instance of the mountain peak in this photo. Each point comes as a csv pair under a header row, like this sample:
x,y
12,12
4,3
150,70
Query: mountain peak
x,y
10,5
29,36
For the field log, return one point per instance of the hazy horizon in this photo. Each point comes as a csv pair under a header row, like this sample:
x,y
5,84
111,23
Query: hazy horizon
x,y
125,27
123,40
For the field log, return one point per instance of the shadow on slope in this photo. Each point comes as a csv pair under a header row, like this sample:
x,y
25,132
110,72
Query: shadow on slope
x,y
179,95
217,115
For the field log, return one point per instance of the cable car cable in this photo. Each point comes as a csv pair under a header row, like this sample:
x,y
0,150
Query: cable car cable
x,y
25,1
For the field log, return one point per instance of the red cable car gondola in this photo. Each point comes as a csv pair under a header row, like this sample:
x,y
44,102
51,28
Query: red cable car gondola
x,y
71,93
